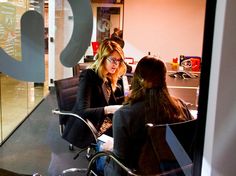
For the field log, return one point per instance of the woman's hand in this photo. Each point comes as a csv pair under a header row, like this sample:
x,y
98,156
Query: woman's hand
x,y
111,109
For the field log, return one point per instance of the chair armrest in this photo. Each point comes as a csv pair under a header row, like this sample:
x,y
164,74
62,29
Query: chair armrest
x,y
112,156
187,169
86,121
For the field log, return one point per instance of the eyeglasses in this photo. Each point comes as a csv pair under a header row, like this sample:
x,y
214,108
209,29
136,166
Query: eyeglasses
x,y
114,60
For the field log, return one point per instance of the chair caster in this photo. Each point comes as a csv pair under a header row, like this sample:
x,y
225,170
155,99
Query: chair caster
x,y
90,152
71,147
88,156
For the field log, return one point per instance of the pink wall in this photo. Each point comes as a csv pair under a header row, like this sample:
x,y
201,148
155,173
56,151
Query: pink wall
x,y
166,28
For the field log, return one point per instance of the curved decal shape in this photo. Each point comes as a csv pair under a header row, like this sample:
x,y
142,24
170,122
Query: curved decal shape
x,y
81,35
31,68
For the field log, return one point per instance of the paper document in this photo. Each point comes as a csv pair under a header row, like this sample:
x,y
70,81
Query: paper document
x,y
105,138
125,85
107,142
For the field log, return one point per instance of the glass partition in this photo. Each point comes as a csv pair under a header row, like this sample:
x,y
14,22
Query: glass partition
x,y
147,30
106,17
17,98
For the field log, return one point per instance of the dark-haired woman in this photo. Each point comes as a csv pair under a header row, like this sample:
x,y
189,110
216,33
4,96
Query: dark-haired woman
x,y
149,100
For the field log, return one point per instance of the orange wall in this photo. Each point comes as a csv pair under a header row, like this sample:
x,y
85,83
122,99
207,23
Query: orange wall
x,y
166,28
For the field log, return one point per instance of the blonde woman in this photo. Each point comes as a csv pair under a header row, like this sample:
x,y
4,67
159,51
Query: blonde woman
x,y
99,93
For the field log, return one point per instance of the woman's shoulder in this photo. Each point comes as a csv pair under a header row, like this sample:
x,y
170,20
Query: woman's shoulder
x,y
90,76
88,73
185,109
129,112
179,100
130,118
133,107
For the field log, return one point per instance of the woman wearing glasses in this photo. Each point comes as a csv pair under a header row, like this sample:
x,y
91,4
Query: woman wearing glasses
x,y
99,92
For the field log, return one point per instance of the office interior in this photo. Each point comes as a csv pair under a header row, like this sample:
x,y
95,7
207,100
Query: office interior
x,y
166,29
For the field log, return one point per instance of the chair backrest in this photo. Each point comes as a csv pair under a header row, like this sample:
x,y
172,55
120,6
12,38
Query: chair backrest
x,y
78,68
168,146
185,133
66,91
167,153
77,131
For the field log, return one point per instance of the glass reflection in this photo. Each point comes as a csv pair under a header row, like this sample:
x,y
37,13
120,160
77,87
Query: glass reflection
x,y
18,98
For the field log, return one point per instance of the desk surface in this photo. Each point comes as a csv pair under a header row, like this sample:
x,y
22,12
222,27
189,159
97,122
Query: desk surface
x,y
188,83
185,89
182,88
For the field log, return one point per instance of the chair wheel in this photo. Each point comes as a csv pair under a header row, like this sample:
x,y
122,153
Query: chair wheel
x,y
71,147
90,152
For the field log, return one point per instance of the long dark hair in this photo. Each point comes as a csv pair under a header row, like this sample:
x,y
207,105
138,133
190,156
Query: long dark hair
x,y
149,85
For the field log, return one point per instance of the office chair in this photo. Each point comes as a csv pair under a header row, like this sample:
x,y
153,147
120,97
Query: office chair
x,y
66,92
78,68
88,147
168,141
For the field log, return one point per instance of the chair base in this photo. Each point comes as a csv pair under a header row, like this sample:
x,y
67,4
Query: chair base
x,y
71,147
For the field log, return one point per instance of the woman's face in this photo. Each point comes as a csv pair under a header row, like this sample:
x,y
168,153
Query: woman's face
x,y
113,62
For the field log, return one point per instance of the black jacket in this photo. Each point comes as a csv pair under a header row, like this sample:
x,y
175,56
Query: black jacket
x,y
130,136
89,105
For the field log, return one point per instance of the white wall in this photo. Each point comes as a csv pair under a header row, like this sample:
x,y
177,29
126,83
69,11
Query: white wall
x,y
60,29
166,28
219,149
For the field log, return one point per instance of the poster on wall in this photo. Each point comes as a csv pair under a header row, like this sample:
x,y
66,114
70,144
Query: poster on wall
x,y
10,37
106,21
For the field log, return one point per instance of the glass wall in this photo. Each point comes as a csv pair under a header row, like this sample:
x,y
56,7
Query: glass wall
x,y
17,98
151,34
106,17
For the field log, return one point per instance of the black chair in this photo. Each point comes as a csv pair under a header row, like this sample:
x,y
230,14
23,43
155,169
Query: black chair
x,y
66,92
169,152
78,68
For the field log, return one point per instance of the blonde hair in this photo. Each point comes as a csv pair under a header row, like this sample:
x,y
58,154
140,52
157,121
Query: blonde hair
x,y
106,48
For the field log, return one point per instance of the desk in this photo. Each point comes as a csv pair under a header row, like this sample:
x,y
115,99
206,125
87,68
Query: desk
x,y
185,89
182,88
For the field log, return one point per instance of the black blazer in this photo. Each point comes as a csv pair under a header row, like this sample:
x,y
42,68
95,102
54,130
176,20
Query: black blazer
x,y
90,105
